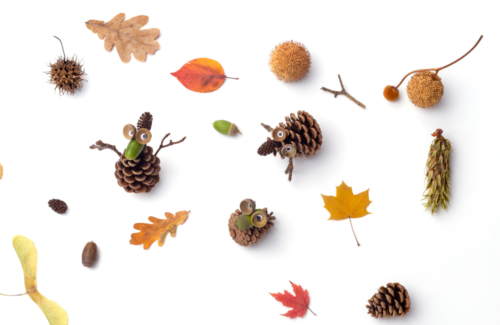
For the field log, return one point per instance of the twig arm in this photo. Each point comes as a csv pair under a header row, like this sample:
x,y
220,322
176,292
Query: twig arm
x,y
267,127
101,146
289,169
343,92
171,143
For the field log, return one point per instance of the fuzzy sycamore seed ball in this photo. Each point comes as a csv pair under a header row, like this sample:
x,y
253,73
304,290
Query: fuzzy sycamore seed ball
x,y
290,61
425,89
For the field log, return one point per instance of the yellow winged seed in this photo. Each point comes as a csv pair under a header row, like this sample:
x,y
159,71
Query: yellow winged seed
x,y
28,255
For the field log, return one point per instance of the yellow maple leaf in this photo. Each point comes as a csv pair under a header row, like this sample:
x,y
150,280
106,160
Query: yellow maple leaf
x,y
158,230
347,205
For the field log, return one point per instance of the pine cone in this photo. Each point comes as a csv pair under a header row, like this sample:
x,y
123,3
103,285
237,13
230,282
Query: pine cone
x,y
303,132
66,75
392,300
252,235
139,175
145,121
438,173
268,147
58,206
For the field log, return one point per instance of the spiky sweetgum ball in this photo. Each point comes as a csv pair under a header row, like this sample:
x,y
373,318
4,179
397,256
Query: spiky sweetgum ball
x,y
391,93
425,89
290,61
66,75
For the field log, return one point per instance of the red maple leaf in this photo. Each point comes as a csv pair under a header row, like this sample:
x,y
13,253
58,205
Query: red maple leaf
x,y
299,303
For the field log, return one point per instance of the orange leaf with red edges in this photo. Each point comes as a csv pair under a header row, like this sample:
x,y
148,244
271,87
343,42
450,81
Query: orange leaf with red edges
x,y
201,75
299,303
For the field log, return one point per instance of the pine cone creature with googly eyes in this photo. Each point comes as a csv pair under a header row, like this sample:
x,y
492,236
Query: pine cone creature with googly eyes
x,y
248,225
299,136
138,168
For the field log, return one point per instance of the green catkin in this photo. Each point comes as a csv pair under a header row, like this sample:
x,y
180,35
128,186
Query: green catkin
x,y
437,191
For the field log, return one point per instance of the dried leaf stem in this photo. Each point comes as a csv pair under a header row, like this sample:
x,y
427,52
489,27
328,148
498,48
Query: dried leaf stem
x,y
343,92
311,311
101,146
289,170
267,127
443,67
170,144
354,232
62,48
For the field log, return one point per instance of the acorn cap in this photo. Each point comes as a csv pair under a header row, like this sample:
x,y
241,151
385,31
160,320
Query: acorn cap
x,y
143,136
425,89
233,129
259,219
129,131
288,150
279,134
247,206
241,222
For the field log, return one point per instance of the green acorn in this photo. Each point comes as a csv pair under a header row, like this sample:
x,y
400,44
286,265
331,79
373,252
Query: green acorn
x,y
242,223
438,173
226,127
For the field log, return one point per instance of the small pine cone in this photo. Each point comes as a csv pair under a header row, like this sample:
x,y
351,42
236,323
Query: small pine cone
x,y
139,175
145,121
58,206
252,235
438,173
268,147
390,301
66,75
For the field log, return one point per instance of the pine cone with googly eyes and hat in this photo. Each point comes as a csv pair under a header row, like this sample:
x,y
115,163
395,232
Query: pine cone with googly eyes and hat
x,y
248,225
299,136
138,168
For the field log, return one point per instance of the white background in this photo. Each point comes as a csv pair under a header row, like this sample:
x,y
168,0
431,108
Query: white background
x,y
449,263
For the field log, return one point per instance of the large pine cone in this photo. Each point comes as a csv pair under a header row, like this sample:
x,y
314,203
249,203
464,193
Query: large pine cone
x,y
252,235
139,175
303,132
390,301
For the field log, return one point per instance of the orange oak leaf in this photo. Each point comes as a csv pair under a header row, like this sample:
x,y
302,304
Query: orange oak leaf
x,y
127,36
201,75
347,205
1,171
299,303
158,230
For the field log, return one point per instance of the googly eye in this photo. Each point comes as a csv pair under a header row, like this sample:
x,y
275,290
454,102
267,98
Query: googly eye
x,y
129,131
247,206
289,150
279,134
143,136
259,219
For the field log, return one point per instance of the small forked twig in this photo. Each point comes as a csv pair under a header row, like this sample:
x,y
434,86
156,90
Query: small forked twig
x,y
101,146
267,127
289,169
343,92
170,144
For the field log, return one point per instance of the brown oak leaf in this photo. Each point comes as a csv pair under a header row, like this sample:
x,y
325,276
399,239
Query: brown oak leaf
x,y
158,230
127,36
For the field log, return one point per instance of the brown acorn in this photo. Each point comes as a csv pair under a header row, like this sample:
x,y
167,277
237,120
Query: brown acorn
x,y
425,88
89,254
